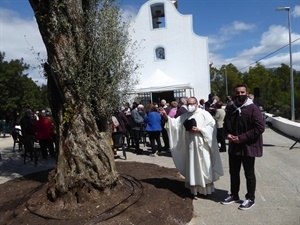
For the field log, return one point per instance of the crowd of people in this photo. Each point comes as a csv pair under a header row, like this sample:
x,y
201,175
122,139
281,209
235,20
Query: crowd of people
x,y
37,127
195,133
137,119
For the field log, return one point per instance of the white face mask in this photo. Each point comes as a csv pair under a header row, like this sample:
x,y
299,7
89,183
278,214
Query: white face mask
x,y
191,108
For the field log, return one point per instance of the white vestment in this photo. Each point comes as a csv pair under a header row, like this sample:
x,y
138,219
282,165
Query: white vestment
x,y
196,155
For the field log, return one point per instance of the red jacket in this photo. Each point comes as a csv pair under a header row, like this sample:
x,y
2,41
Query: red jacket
x,y
43,129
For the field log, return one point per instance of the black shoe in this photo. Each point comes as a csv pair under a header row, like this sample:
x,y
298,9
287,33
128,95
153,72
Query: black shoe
x,y
230,199
139,152
166,149
247,204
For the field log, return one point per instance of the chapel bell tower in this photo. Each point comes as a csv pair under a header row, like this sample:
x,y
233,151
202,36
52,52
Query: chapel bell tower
x,y
158,14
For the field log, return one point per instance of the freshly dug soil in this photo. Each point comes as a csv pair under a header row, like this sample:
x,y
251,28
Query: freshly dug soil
x,y
146,194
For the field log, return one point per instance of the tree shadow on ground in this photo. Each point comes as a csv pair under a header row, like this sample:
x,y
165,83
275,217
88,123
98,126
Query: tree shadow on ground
x,y
42,178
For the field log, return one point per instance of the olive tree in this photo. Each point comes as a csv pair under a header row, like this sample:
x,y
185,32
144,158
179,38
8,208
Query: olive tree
x,y
89,69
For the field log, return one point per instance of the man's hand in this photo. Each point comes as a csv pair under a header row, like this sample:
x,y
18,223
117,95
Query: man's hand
x,y
163,113
195,130
233,138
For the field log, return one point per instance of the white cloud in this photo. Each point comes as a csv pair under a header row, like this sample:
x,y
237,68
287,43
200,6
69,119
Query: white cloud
x,y
216,43
271,40
236,27
20,38
296,11
227,32
275,38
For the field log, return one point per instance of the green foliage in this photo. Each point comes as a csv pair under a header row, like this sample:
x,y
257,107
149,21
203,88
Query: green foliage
x,y
218,85
18,91
110,67
273,84
93,60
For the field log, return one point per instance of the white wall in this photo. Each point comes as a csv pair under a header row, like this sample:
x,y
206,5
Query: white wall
x,y
186,53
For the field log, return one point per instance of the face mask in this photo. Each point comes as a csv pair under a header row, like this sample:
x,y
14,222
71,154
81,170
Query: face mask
x,y
191,108
241,99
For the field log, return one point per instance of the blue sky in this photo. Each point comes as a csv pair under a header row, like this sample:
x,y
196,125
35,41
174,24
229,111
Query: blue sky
x,y
239,31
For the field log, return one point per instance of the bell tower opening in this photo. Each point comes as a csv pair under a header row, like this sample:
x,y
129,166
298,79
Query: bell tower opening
x,y
158,15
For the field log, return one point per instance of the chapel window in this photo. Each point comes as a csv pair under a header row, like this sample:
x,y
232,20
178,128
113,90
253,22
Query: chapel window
x,y
160,53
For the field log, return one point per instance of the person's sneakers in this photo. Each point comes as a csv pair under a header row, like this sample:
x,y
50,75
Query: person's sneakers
x,y
247,204
230,199
153,154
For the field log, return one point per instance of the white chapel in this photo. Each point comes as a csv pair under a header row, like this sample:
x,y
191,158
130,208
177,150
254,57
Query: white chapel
x,y
174,59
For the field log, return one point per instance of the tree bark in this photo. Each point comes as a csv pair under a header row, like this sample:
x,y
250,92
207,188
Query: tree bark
x,y
85,159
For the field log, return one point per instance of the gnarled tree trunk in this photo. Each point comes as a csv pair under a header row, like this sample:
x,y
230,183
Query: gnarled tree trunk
x,y
85,159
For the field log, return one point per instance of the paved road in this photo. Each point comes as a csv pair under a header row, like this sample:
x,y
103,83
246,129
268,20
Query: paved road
x,y
277,194
277,190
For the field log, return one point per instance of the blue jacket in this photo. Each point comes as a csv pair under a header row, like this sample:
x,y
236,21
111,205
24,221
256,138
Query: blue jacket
x,y
153,121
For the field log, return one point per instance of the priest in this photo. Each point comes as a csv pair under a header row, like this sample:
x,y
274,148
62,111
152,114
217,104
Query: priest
x,y
194,148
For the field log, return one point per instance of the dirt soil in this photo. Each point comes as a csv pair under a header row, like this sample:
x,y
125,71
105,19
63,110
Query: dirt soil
x,y
146,194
